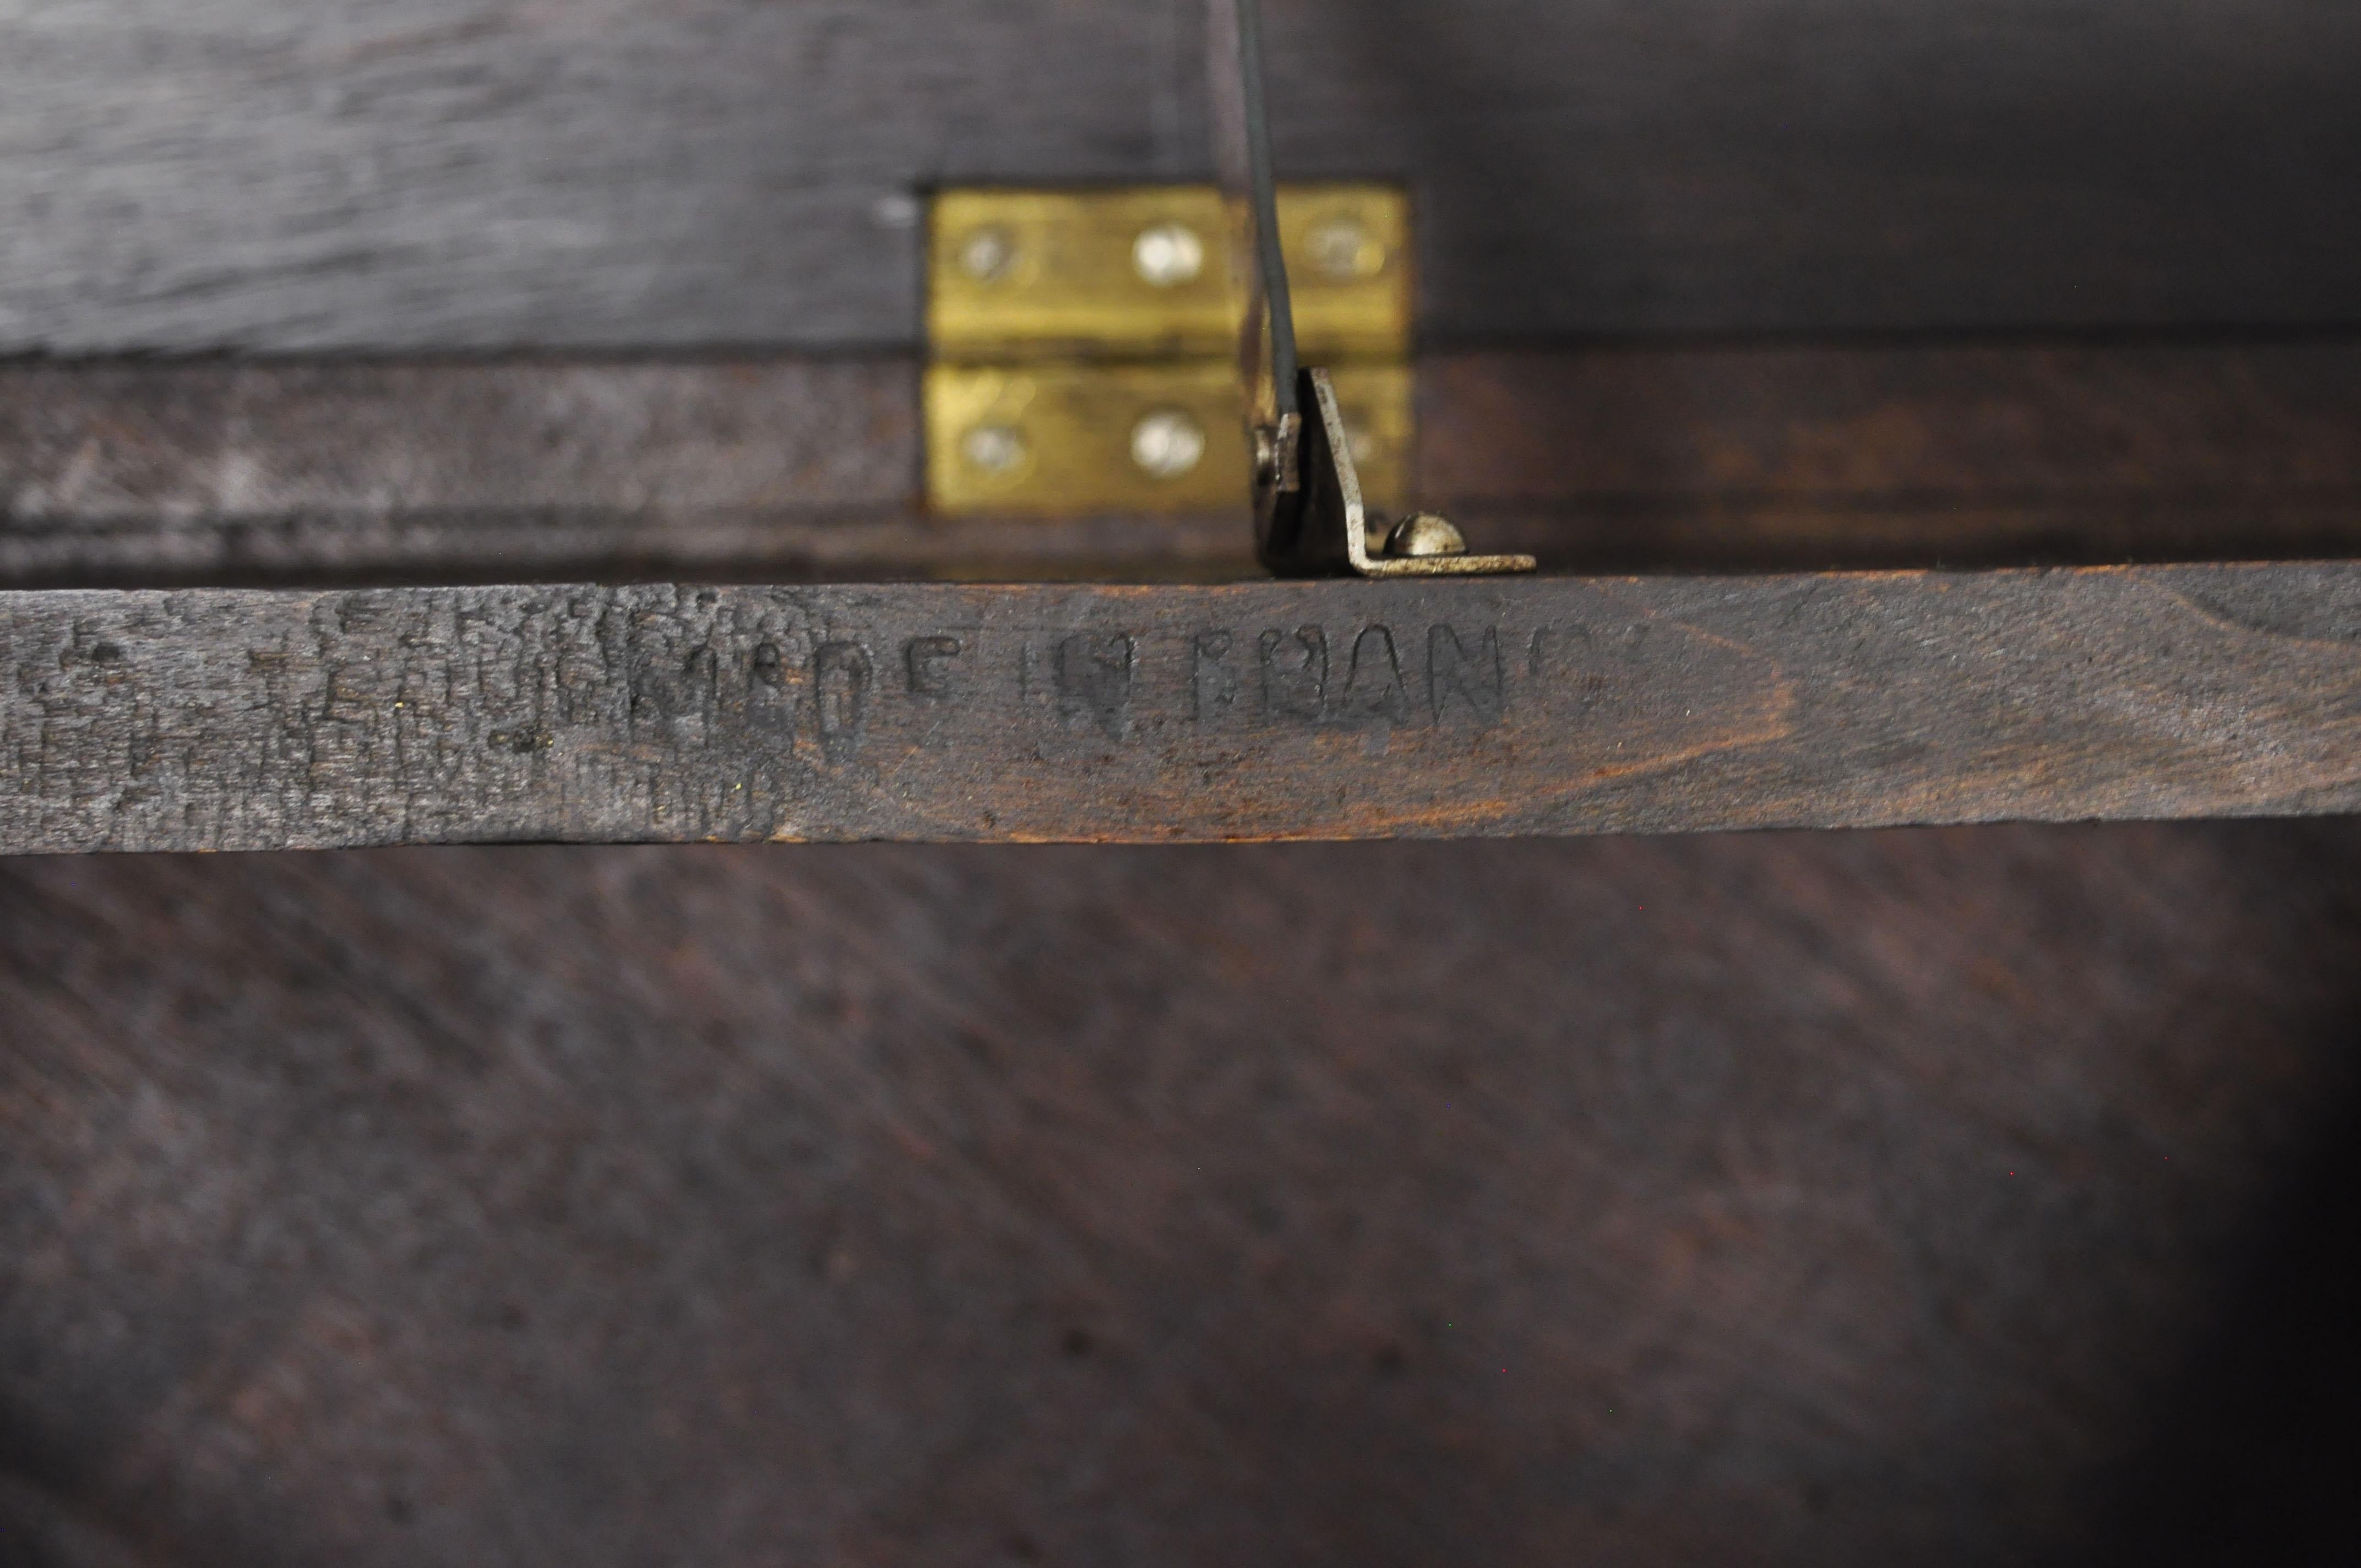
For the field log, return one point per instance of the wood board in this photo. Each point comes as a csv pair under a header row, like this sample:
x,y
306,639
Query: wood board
x,y
241,720
763,468
481,174
1949,1197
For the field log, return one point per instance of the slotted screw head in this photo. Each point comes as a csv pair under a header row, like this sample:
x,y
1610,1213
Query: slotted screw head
x,y
1168,443
1168,256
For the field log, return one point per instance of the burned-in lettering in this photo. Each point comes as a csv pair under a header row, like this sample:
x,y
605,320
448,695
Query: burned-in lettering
x,y
1458,675
1295,672
1373,687
927,661
1213,684
841,675
677,687
771,704
1095,674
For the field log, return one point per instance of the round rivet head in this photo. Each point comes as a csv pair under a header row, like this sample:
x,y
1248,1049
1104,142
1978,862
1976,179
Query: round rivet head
x,y
996,449
1168,256
1422,536
1168,445
1342,251
987,255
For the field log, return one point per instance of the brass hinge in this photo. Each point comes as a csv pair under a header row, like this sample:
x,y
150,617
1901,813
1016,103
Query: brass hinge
x,y
1084,344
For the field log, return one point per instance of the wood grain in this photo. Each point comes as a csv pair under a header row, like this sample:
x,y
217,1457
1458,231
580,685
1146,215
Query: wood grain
x,y
1959,453
224,471
235,719
1953,1196
1790,1199
117,444
140,474
439,174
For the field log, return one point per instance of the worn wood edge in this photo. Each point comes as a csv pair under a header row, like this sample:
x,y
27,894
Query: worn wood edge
x,y
243,720
465,548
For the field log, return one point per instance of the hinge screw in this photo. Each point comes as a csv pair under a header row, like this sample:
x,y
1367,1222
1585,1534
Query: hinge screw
x,y
1342,251
988,253
1168,445
1168,256
993,448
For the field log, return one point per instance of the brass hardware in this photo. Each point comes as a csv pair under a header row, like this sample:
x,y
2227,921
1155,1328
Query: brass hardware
x,y
1085,344
1146,348
1423,535
1071,439
1311,516
1329,525
1168,256
1140,273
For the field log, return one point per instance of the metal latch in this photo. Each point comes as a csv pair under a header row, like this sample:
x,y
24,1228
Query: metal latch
x,y
1143,348
1085,344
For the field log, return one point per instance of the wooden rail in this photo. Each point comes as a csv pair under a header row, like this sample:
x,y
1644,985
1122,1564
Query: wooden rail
x,y
767,468
230,719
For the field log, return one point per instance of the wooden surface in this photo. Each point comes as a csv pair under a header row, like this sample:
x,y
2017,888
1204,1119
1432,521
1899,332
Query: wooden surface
x,y
1971,1197
209,473
1958,1197
1656,456
447,174
234,720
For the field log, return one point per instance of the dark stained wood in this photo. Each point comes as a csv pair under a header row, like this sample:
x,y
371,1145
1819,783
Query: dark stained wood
x,y
1822,456
1779,1199
136,474
1664,426
115,444
1931,1197
238,719
439,174
222,471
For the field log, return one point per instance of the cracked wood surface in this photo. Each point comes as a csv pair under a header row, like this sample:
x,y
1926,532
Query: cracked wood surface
x,y
244,720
